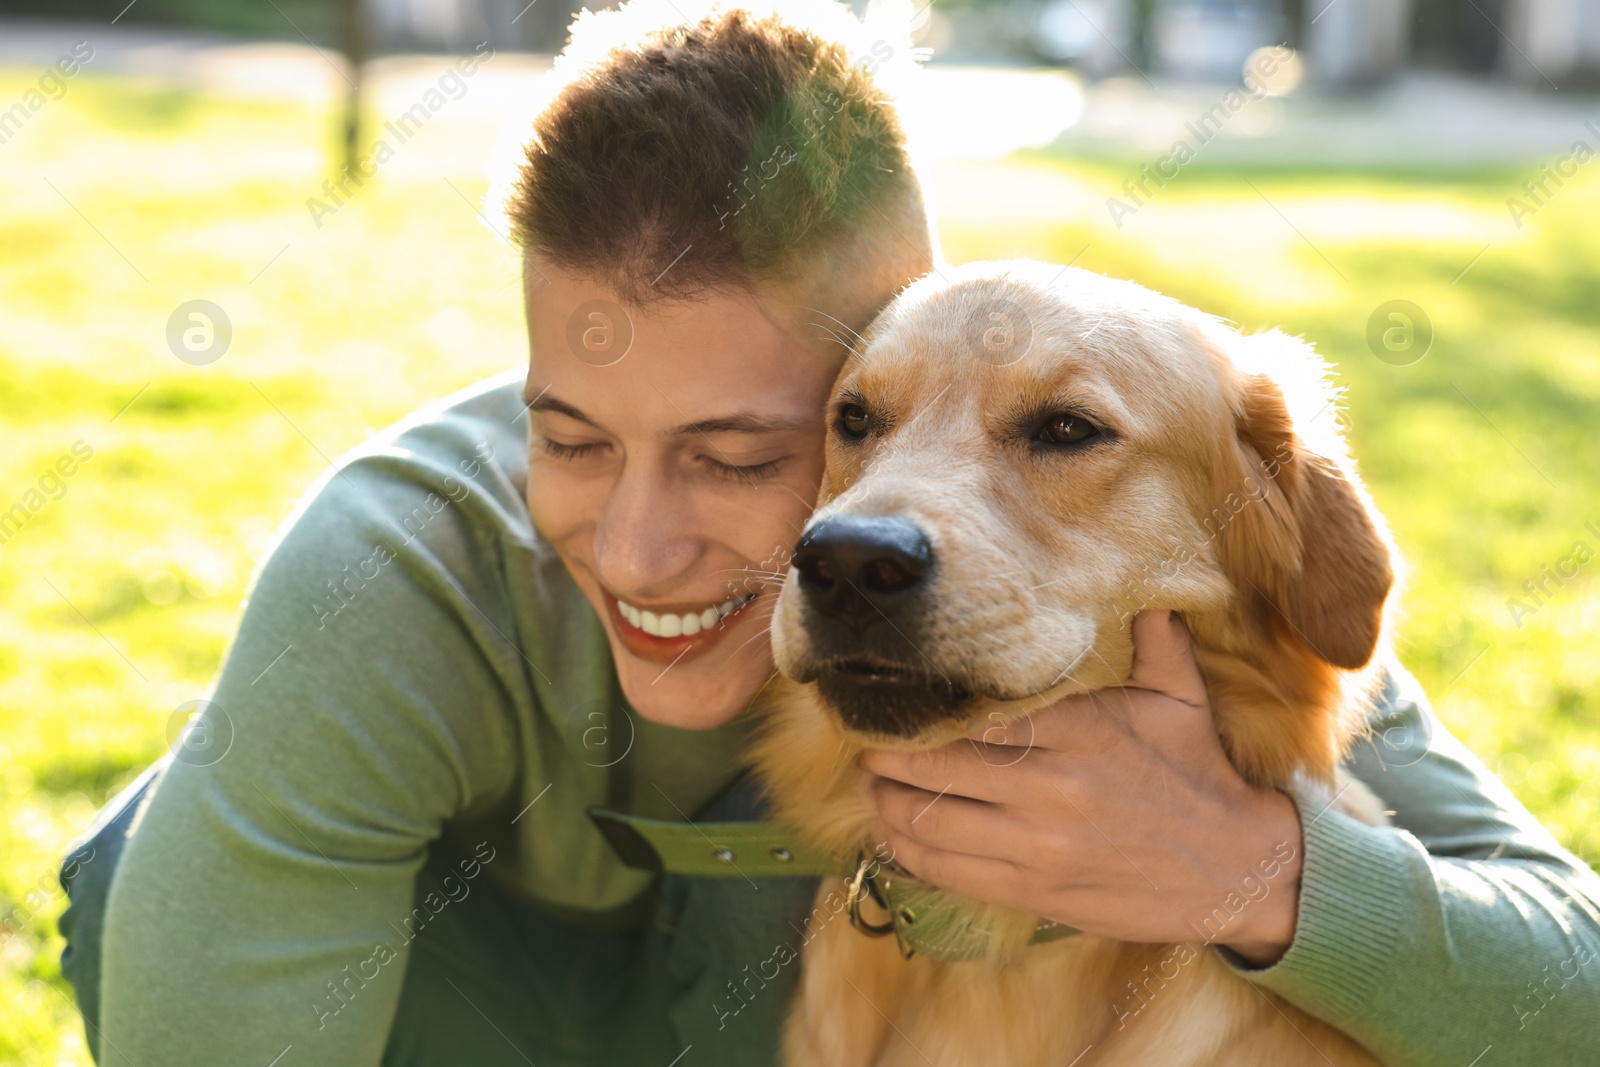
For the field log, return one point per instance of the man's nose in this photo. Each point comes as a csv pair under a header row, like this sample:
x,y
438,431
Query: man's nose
x,y
850,563
646,535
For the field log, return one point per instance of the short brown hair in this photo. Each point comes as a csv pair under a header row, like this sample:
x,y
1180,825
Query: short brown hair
x,y
735,149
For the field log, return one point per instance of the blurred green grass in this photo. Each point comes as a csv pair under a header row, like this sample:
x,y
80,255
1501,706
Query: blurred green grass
x,y
117,599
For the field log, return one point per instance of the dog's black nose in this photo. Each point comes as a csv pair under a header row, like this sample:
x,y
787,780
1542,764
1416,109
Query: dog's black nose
x,y
848,559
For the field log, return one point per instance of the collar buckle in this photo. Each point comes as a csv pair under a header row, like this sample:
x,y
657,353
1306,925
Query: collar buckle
x,y
864,884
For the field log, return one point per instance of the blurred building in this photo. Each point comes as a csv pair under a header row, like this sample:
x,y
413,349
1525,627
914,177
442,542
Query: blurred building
x,y
1556,40
457,25
1358,42
1345,43
1209,40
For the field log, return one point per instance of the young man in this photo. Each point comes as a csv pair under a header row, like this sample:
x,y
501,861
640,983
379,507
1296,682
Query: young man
x,y
552,590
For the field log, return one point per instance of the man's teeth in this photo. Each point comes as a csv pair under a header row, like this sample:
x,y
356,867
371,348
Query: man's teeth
x,y
669,625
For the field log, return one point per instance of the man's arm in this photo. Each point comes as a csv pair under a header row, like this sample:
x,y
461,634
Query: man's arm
x,y
262,907
1462,934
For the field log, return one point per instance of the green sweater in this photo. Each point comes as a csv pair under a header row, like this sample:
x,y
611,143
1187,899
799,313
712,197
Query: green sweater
x,y
414,661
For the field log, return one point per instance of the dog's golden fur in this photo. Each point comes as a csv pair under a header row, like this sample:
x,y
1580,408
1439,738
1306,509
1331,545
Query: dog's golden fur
x,y
1223,493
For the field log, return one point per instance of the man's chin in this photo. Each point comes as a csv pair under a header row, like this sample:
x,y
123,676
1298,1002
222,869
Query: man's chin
x,y
689,683
687,699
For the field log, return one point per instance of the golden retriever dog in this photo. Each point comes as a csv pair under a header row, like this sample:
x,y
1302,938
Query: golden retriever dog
x,y
1020,457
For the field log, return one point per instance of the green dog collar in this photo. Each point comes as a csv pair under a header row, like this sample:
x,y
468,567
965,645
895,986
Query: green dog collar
x,y
751,849
922,918
917,914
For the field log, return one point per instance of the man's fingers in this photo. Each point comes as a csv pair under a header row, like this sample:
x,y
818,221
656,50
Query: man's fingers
x,y
1163,658
944,821
962,768
997,881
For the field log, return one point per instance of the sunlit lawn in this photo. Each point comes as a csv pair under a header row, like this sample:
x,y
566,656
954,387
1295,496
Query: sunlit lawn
x,y
118,597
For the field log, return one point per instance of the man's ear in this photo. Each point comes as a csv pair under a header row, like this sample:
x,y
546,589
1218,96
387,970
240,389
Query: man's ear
x,y
1314,550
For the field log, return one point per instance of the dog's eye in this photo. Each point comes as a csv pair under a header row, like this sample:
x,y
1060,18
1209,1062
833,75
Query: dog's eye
x,y
1064,429
854,421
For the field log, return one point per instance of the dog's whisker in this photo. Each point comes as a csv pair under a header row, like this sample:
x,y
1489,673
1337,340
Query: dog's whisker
x,y
833,335
838,756
764,631
1066,672
835,338
842,325
751,571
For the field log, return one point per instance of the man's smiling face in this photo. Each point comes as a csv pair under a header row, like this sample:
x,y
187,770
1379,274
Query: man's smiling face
x,y
676,453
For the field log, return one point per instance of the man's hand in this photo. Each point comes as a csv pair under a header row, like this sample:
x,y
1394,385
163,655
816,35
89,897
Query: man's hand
x,y
1114,812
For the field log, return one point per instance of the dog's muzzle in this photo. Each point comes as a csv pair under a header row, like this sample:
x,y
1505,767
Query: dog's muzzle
x,y
865,581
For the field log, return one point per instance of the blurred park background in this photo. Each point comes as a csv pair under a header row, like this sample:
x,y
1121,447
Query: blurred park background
x,y
1414,190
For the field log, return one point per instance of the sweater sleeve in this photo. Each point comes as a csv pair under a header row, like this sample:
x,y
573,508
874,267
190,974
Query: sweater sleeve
x,y
1461,934
366,699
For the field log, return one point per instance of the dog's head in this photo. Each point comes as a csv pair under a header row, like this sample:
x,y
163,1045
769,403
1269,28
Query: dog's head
x,y
1021,456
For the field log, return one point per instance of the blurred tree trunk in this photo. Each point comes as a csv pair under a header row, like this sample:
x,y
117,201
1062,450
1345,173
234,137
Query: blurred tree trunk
x,y
1294,20
1477,36
549,19
353,41
1143,15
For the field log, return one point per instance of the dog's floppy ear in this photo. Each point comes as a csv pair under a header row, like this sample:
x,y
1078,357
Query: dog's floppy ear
x,y
1313,546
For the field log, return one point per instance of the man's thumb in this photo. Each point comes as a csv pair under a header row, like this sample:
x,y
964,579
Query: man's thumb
x,y
1163,658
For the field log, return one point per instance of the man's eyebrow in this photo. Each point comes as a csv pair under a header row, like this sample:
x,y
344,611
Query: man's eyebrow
x,y
740,422
744,422
543,401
